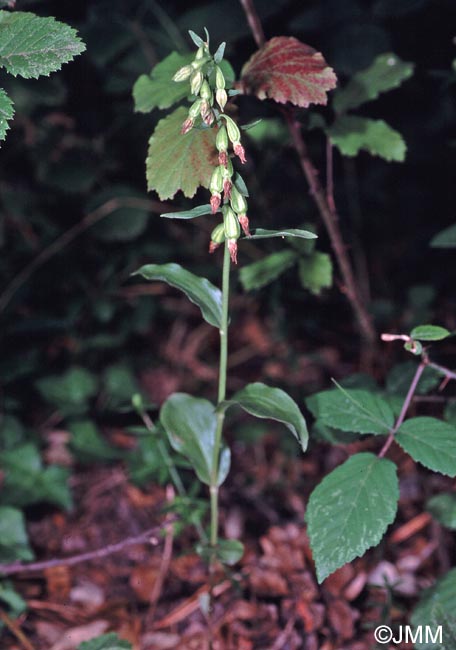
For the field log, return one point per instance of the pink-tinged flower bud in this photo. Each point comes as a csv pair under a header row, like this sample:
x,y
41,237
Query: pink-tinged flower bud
x,y
244,221
215,201
227,186
209,118
205,91
217,237
187,125
238,202
219,78
195,108
239,151
213,246
232,247
221,97
183,73
205,107
223,158
221,140
196,81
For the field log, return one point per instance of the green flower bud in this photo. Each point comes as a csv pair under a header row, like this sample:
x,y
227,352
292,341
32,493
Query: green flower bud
x,y
233,131
205,91
221,97
195,108
200,52
238,202
218,234
221,140
216,183
219,78
232,225
183,73
196,81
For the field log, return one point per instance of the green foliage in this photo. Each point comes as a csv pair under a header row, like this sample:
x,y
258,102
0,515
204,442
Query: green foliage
x,y
350,510
316,272
126,221
273,403
258,274
352,410
261,233
88,445
430,442
437,606
191,425
31,46
177,162
352,134
429,333
197,211
446,238
6,113
106,642
230,551
13,536
199,290
155,90
14,602
69,392
443,508
27,481
385,73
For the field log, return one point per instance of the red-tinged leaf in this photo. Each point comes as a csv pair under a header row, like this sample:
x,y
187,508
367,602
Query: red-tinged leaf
x,y
286,70
179,162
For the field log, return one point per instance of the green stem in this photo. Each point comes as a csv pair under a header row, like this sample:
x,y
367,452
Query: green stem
x,y
221,395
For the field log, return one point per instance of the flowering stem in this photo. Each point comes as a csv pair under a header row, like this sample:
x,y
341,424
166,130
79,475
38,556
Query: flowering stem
x,y
221,395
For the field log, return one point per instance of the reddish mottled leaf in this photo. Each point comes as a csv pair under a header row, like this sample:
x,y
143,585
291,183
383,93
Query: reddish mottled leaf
x,y
179,162
286,70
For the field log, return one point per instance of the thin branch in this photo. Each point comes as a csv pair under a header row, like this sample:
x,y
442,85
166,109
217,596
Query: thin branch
x,y
56,246
324,203
148,536
15,629
330,177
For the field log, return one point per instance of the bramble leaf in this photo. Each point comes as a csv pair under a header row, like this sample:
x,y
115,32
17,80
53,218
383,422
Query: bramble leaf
x,y
179,162
258,274
315,272
445,238
350,510
190,424
351,134
429,333
430,442
286,70
6,113
157,90
262,401
385,73
31,46
353,410
198,290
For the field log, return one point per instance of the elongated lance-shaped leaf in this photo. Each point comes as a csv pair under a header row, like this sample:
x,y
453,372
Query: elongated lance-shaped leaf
x,y
430,442
351,134
190,424
350,510
199,290
31,46
262,401
261,233
6,113
198,211
179,162
385,73
356,410
429,333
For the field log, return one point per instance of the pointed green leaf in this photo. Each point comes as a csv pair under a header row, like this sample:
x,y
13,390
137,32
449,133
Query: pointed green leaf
x,y
350,510
261,233
273,403
14,543
218,56
198,211
190,424
179,162
31,45
385,73
429,333
105,642
195,38
199,290
352,410
445,238
443,508
315,272
230,551
258,274
351,134
158,90
430,442
6,113
437,607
